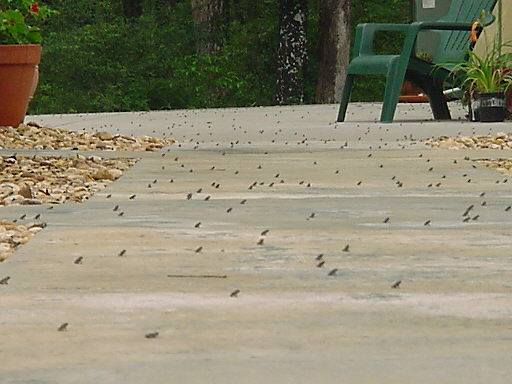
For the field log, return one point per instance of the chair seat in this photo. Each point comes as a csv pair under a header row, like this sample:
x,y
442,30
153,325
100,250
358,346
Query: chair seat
x,y
379,64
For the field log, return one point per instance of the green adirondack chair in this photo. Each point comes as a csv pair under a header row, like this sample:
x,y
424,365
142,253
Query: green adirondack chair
x,y
453,47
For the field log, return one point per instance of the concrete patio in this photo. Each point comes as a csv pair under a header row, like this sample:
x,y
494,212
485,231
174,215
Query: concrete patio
x,y
316,186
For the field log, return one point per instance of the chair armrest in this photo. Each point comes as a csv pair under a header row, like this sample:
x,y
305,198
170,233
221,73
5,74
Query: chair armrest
x,y
374,27
443,26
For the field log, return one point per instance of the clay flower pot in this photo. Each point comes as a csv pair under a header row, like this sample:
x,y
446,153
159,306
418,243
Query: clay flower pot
x,y
17,81
411,94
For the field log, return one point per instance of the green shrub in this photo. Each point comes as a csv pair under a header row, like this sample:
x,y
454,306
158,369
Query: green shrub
x,y
95,60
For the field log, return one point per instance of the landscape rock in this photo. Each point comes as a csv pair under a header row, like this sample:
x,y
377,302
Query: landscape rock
x,y
25,190
37,180
102,174
104,136
501,165
13,234
33,136
499,141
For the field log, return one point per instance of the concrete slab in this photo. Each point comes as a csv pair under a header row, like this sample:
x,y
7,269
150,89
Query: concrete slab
x,y
291,323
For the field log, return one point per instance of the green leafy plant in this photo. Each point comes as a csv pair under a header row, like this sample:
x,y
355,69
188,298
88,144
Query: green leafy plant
x,y
94,60
425,56
489,73
19,21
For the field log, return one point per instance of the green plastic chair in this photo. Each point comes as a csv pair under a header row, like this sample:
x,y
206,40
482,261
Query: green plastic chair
x,y
453,48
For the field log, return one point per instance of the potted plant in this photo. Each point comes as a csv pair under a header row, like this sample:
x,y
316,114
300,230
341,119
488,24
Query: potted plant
x,y
20,53
486,79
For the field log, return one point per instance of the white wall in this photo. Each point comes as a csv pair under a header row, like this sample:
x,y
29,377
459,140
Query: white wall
x,y
491,31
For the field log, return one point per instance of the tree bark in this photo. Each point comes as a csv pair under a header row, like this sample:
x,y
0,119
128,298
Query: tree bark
x,y
334,49
292,51
132,9
208,16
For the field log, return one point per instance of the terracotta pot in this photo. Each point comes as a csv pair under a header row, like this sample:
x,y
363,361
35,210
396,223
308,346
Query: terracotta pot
x,y
411,94
17,81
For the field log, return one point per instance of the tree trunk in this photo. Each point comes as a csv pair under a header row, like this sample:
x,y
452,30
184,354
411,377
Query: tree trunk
x,y
292,51
208,16
334,49
132,9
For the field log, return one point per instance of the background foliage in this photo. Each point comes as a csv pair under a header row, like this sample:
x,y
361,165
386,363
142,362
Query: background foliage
x,y
95,60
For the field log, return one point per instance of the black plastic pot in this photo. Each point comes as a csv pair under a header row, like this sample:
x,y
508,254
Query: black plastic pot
x,y
491,107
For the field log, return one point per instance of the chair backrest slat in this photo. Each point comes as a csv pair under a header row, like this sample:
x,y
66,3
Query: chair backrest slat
x,y
452,46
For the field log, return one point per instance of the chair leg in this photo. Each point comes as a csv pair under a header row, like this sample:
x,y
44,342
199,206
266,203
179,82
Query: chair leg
x,y
394,82
433,88
438,101
345,98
